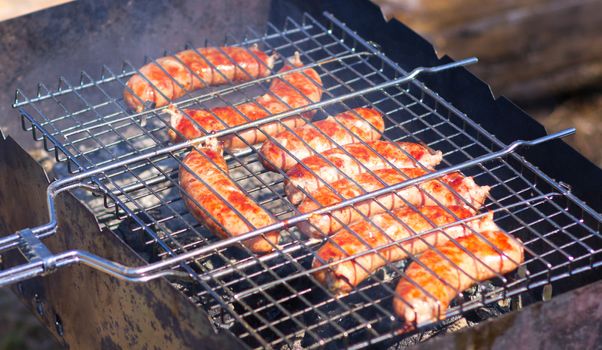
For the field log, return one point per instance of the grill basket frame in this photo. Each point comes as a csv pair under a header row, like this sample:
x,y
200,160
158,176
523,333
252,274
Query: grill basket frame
x,y
555,215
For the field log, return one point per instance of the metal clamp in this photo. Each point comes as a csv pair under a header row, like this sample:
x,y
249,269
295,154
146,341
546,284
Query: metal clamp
x,y
34,250
41,260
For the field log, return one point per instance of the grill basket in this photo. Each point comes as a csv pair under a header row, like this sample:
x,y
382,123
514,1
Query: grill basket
x,y
122,166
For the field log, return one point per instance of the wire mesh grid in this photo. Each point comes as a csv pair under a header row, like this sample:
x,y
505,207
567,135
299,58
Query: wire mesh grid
x,y
273,300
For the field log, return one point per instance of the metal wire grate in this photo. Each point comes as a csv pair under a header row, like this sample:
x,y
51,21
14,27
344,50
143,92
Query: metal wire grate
x,y
273,300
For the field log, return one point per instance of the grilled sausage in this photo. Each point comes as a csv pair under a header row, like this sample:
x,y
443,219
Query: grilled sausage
x,y
424,293
212,209
359,124
383,229
292,90
352,159
465,190
171,77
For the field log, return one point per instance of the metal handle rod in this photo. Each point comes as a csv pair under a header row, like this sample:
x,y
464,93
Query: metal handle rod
x,y
21,273
9,242
163,268
376,249
142,272
262,121
370,195
216,273
253,82
91,126
54,189
56,185
36,268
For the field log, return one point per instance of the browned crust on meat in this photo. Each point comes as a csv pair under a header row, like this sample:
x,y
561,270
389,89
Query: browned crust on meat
x,y
358,124
383,229
170,77
424,293
464,191
211,207
352,159
292,90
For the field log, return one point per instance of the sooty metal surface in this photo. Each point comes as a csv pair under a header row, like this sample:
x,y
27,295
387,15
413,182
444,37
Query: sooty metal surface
x,y
273,300
85,309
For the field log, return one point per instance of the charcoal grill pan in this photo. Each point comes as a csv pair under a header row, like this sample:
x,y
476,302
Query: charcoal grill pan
x,y
485,107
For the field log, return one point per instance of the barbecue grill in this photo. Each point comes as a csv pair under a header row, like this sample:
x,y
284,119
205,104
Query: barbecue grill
x,y
121,165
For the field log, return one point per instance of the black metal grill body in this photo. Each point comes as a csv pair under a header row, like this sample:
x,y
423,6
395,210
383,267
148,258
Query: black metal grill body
x,y
273,301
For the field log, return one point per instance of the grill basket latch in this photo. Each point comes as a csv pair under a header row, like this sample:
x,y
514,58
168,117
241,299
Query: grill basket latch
x,y
40,260
35,251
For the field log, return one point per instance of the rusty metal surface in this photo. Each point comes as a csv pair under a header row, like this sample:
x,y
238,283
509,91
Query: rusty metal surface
x,y
569,321
85,309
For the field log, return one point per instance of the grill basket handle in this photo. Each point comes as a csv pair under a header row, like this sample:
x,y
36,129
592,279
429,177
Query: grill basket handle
x,y
21,273
42,261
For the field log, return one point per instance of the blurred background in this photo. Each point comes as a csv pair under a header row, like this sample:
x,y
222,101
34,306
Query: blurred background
x,y
545,55
11,9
